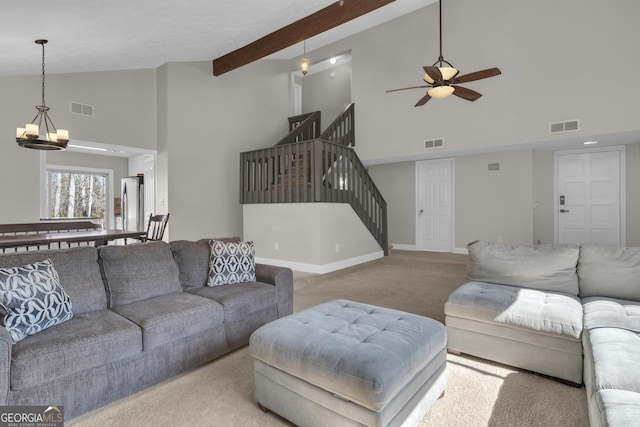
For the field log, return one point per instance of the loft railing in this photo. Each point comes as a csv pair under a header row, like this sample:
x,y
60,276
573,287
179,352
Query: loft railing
x,y
343,129
304,127
314,171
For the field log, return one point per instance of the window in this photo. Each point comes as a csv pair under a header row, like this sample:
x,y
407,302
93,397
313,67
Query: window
x,y
76,193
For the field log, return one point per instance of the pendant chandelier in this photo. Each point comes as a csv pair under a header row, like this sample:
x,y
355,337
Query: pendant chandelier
x,y
52,138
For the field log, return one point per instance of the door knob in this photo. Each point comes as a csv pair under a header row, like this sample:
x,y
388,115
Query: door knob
x,y
564,210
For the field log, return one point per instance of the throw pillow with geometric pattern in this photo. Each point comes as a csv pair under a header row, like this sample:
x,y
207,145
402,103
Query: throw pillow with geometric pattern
x,y
32,299
231,263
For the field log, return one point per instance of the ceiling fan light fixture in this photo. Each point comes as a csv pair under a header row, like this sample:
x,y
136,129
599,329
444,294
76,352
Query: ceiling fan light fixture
x,y
447,74
440,92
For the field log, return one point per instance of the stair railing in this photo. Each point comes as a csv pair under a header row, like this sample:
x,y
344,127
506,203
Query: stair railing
x,y
304,127
343,129
314,171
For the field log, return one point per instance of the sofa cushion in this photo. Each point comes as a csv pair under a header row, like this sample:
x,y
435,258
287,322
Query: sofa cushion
x,y
615,357
171,317
239,300
544,267
231,263
618,408
88,340
77,269
31,299
600,312
530,309
609,271
138,271
193,259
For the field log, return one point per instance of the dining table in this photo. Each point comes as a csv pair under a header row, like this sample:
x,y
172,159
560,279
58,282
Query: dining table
x,y
97,237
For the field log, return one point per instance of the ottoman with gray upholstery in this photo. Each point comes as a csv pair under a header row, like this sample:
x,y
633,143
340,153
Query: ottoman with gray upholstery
x,y
348,363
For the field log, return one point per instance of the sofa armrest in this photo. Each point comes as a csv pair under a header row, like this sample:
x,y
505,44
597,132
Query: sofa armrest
x,y
5,363
282,279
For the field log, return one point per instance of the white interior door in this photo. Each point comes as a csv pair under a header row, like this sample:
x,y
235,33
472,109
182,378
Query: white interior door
x,y
590,198
434,203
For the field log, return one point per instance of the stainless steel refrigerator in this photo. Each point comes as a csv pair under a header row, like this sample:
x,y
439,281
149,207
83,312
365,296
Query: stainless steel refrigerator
x,y
132,203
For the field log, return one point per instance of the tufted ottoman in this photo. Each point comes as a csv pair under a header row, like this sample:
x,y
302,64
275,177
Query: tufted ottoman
x,y
347,363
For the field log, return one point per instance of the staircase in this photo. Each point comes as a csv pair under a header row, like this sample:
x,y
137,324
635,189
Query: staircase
x,y
309,166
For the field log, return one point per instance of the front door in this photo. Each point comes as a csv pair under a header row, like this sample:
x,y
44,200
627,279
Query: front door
x,y
434,203
590,197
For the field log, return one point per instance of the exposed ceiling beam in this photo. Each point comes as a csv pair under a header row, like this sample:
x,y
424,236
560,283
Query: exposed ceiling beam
x,y
323,20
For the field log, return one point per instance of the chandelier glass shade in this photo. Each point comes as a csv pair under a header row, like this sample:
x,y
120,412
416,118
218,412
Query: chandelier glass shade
x,y
30,135
304,63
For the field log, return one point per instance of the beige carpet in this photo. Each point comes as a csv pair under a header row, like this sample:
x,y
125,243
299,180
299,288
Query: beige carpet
x,y
479,393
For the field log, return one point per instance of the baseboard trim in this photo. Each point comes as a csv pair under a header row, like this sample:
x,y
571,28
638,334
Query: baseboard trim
x,y
318,268
461,251
404,247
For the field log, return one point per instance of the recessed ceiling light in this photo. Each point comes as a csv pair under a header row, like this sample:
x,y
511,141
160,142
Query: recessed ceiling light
x,y
333,60
590,142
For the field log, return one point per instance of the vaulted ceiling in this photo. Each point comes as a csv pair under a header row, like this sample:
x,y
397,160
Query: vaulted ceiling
x,y
124,34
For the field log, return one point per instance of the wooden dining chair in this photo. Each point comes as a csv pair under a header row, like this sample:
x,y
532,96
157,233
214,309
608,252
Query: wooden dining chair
x,y
155,228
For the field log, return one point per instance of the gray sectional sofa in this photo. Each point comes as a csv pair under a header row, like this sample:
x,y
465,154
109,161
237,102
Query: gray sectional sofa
x,y
141,313
561,310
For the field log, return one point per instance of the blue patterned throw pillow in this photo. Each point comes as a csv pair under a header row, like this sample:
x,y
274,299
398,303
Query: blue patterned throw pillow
x,y
31,299
231,263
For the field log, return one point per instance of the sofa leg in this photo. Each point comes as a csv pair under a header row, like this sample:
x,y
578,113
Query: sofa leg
x,y
441,395
454,352
264,409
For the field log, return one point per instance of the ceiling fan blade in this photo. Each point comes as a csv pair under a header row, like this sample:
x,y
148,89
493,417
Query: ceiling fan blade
x,y
477,75
423,100
433,72
405,88
464,93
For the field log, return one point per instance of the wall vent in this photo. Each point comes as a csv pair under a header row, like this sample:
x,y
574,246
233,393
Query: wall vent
x,y
84,109
433,143
568,126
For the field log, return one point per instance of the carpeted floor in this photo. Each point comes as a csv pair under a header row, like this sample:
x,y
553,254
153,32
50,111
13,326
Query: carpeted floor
x,y
479,392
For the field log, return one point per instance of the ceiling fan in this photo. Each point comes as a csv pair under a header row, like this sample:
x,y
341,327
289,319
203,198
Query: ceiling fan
x,y
443,80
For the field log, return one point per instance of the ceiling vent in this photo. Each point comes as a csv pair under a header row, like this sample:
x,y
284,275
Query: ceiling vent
x,y
83,109
433,143
568,126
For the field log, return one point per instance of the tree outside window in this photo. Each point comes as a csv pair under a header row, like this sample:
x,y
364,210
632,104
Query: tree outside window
x,y
72,194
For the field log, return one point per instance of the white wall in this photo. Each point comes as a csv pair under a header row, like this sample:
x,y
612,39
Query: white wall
x,y
397,184
494,205
327,91
313,237
206,122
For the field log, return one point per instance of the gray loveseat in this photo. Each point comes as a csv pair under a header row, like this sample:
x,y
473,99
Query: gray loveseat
x,y
561,310
141,313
